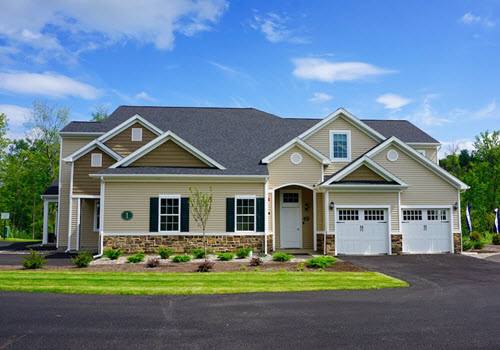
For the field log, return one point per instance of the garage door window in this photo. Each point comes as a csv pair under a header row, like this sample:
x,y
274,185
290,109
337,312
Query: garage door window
x,y
412,215
348,215
374,215
436,214
290,197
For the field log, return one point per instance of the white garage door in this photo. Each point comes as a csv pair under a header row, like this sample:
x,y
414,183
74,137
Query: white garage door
x,y
426,231
362,231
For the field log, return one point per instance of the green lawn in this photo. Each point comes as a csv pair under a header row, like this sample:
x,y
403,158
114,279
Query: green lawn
x,y
151,283
10,239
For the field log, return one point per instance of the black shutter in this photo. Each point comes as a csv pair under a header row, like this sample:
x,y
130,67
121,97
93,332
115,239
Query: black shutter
x,y
153,214
184,214
260,215
229,214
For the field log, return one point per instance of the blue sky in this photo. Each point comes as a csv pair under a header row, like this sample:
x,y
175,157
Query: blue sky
x,y
434,63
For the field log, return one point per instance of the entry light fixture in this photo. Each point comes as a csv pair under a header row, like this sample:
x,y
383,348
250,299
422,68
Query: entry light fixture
x,y
332,205
455,206
306,206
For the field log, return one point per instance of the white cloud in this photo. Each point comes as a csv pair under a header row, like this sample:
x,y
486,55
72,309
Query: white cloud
x,y
274,27
489,111
46,84
232,71
143,95
448,147
323,70
16,115
42,25
426,114
470,18
393,101
320,97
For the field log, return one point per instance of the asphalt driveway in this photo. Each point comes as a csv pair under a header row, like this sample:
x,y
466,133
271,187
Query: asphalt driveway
x,y
453,303
11,253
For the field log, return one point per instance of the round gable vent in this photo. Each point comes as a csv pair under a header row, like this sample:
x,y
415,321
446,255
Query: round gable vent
x,y
392,155
296,158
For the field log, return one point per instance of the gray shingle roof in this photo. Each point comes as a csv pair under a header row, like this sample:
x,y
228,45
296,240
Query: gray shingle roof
x,y
402,129
53,189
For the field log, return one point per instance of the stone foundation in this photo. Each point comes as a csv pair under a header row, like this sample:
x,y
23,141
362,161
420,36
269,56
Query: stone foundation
x,y
457,243
269,242
396,244
330,244
183,244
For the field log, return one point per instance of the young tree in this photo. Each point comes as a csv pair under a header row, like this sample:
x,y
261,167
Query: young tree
x,y
201,205
101,113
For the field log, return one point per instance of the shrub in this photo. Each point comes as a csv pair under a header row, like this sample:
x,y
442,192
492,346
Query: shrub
x,y
320,270
301,266
243,253
165,253
243,267
475,237
225,256
112,254
478,245
282,257
205,266
495,239
34,260
153,262
136,258
181,258
281,270
257,269
256,261
321,262
198,253
83,259
467,245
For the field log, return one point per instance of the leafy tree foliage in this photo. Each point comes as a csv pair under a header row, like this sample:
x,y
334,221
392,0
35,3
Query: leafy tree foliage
x,y
101,113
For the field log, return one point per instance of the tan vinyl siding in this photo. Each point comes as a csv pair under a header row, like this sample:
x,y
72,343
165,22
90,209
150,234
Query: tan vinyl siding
x,y
135,196
430,153
69,145
282,171
89,239
366,198
426,188
360,142
169,154
320,212
363,174
123,144
83,184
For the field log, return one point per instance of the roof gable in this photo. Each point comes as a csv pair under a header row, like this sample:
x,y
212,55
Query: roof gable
x,y
126,124
296,142
89,147
122,142
169,154
363,173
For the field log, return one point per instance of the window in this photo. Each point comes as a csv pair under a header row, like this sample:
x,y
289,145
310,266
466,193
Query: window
x,y
97,215
436,214
340,146
245,214
421,151
136,134
170,212
290,197
96,160
412,215
348,215
374,215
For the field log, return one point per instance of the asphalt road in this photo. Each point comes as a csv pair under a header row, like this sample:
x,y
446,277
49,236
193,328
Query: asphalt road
x,y
453,303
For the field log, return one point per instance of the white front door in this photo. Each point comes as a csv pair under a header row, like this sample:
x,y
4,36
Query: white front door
x,y
362,231
291,219
426,231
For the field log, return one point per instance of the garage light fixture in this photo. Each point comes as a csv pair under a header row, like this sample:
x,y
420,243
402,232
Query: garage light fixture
x,y
332,205
455,206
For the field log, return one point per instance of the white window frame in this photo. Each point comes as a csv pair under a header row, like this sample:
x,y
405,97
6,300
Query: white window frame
x,y
341,132
169,196
96,160
138,135
97,215
236,212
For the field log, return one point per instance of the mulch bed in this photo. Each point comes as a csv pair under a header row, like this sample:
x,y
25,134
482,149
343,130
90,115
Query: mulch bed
x,y
219,266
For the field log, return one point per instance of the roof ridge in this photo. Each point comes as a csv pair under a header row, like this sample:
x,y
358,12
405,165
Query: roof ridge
x,y
135,106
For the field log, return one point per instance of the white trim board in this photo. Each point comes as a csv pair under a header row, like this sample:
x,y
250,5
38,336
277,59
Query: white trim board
x,y
297,142
128,123
90,147
183,233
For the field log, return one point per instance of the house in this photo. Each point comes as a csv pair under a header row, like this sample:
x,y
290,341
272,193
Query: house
x,y
368,186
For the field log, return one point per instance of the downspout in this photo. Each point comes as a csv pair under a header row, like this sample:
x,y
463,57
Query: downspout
x,y
101,222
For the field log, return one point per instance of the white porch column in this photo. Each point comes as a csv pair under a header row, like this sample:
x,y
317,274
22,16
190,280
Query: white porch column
x,y
45,239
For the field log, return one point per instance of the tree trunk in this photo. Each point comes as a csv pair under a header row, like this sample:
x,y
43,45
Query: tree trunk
x,y
34,210
205,244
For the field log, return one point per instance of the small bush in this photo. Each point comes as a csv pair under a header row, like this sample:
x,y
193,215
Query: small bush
x,y
198,253
243,267
282,257
256,261
243,253
475,237
83,259
281,270
34,260
257,269
320,270
225,256
321,262
136,258
153,262
467,245
165,253
478,245
495,239
112,254
301,266
205,266
181,258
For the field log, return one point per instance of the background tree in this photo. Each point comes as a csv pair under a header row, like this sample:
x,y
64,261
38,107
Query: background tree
x,y
201,206
101,113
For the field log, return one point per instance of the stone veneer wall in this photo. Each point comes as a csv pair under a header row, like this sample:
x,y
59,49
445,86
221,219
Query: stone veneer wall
x,y
397,244
330,244
269,242
457,243
183,244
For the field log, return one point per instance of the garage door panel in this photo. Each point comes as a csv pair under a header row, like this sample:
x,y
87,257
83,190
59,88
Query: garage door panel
x,y
426,231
